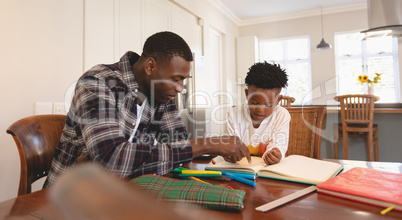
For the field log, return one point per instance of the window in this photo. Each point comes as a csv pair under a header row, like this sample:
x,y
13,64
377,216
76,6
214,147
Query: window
x,y
293,54
374,55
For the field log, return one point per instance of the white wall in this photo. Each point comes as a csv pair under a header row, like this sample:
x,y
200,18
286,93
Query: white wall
x,y
47,44
214,21
40,56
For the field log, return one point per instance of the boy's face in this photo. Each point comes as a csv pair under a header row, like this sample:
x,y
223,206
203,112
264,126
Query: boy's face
x,y
262,102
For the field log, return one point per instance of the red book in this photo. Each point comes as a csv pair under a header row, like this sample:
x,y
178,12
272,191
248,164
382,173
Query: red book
x,y
366,185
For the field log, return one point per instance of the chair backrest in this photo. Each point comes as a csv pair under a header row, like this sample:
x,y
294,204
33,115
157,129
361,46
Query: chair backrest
x,y
305,131
36,138
286,101
357,108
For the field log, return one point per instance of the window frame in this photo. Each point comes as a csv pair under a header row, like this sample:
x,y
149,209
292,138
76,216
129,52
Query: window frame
x,y
286,62
364,57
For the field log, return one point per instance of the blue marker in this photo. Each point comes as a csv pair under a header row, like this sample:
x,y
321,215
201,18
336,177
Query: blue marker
x,y
243,175
240,179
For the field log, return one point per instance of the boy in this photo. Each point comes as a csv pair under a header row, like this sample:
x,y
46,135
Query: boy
x,y
261,123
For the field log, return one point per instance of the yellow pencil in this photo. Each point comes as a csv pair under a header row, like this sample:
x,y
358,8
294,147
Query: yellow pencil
x,y
383,212
196,179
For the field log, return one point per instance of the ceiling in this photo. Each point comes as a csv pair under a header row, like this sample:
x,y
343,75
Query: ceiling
x,y
245,12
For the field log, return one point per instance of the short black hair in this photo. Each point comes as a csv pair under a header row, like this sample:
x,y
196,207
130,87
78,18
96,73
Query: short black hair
x,y
266,76
163,46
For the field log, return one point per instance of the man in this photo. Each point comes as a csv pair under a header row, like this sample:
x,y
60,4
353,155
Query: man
x,y
123,116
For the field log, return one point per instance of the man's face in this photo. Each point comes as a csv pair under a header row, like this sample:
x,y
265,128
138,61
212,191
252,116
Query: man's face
x,y
262,102
167,79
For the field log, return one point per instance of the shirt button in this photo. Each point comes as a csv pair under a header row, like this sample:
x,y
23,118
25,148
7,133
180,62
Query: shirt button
x,y
135,90
133,123
180,165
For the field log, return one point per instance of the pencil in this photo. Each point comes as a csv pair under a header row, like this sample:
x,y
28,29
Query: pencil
x,y
268,142
383,212
196,179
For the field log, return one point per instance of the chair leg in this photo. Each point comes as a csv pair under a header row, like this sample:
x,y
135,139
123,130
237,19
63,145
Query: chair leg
x,y
336,139
370,145
376,145
345,144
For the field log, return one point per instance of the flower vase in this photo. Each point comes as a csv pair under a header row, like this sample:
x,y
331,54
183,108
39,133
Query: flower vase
x,y
371,90
365,88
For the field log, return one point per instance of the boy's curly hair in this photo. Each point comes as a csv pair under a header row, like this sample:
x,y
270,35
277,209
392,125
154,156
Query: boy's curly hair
x,y
266,76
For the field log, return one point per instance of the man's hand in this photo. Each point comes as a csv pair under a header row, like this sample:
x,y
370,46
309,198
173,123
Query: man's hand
x,y
229,147
272,157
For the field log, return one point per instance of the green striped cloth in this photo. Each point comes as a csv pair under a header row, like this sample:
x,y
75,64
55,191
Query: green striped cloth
x,y
190,191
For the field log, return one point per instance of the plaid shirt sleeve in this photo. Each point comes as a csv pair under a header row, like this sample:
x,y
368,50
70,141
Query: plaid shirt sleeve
x,y
102,117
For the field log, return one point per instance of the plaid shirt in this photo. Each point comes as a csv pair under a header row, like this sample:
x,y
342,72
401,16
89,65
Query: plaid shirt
x,y
102,117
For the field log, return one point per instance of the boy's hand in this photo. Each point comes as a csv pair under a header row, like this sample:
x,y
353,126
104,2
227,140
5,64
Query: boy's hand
x,y
272,157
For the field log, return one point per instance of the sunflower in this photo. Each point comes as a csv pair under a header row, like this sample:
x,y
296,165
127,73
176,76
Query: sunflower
x,y
362,79
365,79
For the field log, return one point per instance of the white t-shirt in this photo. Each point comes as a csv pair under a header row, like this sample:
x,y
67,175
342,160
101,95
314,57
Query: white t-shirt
x,y
275,127
140,109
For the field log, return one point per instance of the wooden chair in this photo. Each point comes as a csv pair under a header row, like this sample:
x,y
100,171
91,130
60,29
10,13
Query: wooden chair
x,y
305,131
357,115
36,138
286,101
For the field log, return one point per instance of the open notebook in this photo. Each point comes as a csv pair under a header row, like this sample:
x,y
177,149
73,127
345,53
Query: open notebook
x,y
293,168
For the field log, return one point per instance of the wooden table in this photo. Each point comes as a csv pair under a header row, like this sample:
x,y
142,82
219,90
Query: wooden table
x,y
313,206
376,110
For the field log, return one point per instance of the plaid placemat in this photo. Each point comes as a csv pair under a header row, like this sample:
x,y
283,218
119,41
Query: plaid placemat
x,y
190,191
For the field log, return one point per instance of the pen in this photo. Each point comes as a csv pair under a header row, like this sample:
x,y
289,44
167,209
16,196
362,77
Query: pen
x,y
241,179
200,172
179,169
243,175
220,178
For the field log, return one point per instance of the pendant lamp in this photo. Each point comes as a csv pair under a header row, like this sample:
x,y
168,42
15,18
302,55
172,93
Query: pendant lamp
x,y
323,45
